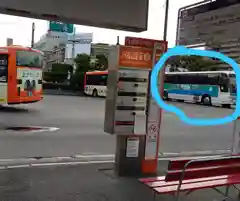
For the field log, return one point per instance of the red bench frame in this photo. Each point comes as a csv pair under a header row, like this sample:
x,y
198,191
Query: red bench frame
x,y
191,175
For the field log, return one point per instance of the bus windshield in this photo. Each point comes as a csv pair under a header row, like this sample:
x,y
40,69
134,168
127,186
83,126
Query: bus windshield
x,y
29,59
233,87
95,79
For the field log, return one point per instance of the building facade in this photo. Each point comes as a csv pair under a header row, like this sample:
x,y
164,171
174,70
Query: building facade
x,y
61,47
50,40
100,48
230,48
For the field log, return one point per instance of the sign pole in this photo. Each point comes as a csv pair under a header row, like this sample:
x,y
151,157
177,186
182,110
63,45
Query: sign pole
x,y
33,34
154,119
130,112
236,137
166,21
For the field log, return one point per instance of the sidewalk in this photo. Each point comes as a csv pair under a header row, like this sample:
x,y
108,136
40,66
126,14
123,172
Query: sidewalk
x,y
85,182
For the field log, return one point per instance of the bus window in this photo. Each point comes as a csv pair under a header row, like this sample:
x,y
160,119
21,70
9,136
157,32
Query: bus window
x,y
213,79
3,67
103,81
188,79
173,79
29,59
97,80
224,83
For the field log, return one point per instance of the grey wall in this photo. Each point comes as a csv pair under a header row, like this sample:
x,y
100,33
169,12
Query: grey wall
x,y
128,15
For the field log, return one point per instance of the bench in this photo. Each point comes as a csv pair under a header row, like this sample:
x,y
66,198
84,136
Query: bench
x,y
191,175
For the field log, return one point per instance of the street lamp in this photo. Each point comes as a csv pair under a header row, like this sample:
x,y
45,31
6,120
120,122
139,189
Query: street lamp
x,y
33,33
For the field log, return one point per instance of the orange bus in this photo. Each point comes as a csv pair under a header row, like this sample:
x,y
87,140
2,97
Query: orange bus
x,y
20,75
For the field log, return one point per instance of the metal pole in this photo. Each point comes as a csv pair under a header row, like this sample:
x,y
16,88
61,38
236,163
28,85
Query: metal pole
x,y
33,31
166,20
117,40
234,137
73,45
177,31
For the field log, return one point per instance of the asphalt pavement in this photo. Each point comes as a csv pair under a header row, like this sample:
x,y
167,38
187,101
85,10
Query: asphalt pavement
x,y
80,122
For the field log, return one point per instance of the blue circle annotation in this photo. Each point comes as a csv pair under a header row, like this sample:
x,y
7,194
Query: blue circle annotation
x,y
180,50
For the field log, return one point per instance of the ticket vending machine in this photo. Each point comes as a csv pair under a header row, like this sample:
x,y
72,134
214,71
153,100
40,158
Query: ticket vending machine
x,y
128,106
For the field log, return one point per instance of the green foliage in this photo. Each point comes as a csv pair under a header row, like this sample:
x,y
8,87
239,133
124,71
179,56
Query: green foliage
x,y
77,81
47,76
83,63
59,73
191,63
54,77
61,68
102,62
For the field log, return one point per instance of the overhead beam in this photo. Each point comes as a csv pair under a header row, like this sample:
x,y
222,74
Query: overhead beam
x,y
112,14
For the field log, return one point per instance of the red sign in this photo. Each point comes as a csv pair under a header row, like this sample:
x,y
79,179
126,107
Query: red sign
x,y
135,57
158,54
143,42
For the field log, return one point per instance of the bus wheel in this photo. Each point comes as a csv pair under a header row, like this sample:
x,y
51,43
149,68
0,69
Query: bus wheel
x,y
206,100
95,93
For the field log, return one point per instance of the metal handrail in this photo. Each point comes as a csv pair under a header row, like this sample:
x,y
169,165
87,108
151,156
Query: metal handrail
x,y
199,160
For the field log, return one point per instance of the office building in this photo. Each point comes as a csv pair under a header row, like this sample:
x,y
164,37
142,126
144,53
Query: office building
x,y
100,48
61,47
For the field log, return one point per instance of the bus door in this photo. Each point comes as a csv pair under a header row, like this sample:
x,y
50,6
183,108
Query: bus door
x,y
233,89
3,78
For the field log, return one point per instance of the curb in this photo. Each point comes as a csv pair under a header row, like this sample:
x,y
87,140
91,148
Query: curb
x,y
195,153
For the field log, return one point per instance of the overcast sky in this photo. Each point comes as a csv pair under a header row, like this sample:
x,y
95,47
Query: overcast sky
x,y
19,28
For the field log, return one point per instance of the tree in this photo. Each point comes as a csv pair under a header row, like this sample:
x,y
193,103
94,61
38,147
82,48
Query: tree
x,y
59,73
62,68
83,63
77,81
191,63
102,62
174,63
55,77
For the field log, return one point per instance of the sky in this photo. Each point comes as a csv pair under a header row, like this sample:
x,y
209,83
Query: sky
x,y
19,28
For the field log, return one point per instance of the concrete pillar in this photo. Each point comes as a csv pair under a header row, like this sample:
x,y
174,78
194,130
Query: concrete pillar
x,y
125,164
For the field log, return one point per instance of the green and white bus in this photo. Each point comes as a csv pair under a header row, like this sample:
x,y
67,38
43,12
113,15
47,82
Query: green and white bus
x,y
206,87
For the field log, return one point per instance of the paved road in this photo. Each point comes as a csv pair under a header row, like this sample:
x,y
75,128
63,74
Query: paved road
x,y
80,120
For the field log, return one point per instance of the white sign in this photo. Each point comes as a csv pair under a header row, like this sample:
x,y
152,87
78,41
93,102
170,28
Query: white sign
x,y
140,123
23,73
132,147
154,112
151,147
152,128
